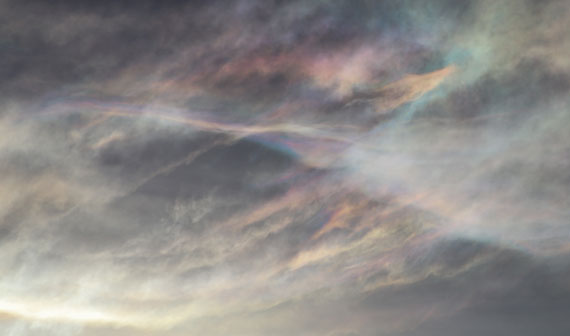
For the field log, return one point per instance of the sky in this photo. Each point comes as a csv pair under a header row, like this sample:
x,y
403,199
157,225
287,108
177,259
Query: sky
x,y
303,167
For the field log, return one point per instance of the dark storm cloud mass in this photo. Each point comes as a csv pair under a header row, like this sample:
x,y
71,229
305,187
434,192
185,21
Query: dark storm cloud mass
x,y
284,168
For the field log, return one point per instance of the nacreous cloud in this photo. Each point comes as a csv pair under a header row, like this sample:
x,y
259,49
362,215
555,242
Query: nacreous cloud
x,y
371,168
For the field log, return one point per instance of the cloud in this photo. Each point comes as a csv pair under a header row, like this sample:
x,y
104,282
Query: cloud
x,y
266,167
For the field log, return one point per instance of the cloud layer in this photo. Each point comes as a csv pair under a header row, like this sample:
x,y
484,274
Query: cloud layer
x,y
254,167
